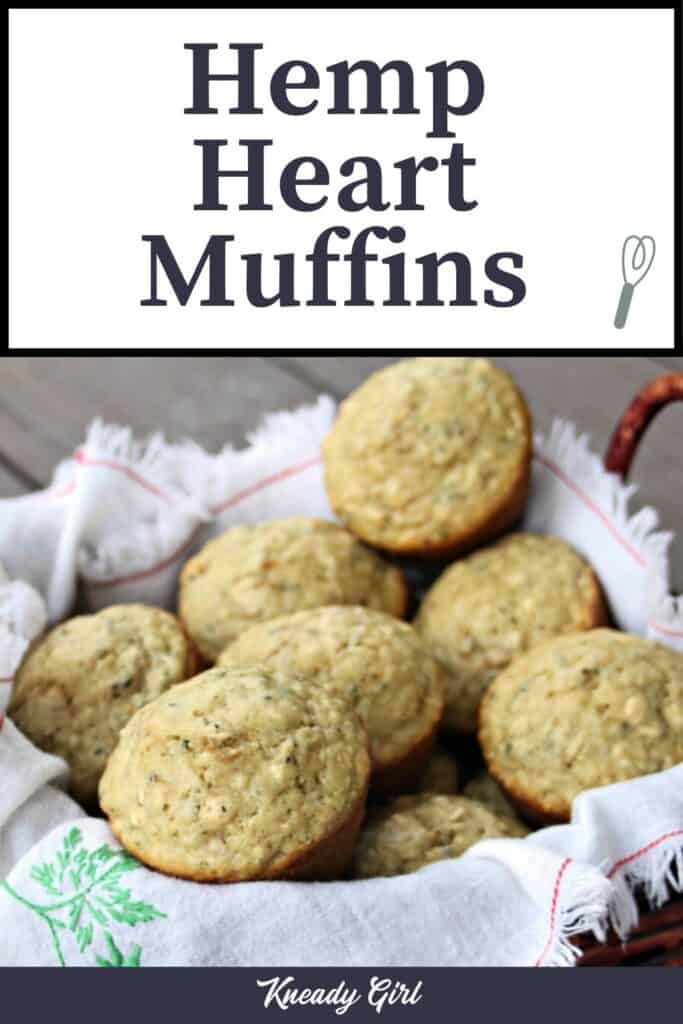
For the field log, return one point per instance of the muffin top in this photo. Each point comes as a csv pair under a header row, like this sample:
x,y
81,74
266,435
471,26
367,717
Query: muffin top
x,y
426,452
78,686
441,775
581,711
367,657
499,602
416,830
251,574
235,774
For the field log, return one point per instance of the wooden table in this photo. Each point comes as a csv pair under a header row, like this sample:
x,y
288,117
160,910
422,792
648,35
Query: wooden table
x,y
46,402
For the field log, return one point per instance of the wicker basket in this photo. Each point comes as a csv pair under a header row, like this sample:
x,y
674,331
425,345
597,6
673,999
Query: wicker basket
x,y
658,939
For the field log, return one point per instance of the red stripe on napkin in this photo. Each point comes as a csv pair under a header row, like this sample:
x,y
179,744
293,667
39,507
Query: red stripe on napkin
x,y
644,849
144,573
589,503
663,629
267,481
553,907
85,460
235,499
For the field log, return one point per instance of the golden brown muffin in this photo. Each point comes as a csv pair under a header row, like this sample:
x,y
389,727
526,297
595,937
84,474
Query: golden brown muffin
x,y
430,456
417,830
78,687
370,659
441,774
242,773
582,711
498,603
251,574
486,790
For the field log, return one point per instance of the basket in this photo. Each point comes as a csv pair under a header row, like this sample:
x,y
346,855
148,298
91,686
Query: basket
x,y
658,939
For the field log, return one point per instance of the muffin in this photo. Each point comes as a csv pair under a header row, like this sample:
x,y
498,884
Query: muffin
x,y
251,574
430,456
582,711
417,830
498,603
486,791
241,773
370,659
441,774
80,684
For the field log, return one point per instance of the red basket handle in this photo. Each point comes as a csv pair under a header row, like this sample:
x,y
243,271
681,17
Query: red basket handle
x,y
659,393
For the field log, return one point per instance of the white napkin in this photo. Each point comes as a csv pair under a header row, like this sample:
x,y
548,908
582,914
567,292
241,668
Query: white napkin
x,y
120,518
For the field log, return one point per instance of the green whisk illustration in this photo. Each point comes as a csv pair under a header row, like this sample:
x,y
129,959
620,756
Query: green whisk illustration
x,y
637,255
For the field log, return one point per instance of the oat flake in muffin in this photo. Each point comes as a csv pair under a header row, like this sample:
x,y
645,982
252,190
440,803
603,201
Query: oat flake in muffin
x,y
413,831
430,455
78,686
582,711
251,574
242,773
498,603
369,658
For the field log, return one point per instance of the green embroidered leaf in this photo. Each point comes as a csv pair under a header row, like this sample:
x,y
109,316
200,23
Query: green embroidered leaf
x,y
69,845
114,952
96,858
97,914
76,873
120,907
44,874
73,838
117,957
95,876
123,864
136,913
84,937
133,958
75,911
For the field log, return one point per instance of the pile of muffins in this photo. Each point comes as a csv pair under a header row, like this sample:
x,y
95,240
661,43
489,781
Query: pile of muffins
x,y
288,723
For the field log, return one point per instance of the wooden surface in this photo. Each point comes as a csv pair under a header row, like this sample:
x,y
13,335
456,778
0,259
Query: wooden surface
x,y
46,402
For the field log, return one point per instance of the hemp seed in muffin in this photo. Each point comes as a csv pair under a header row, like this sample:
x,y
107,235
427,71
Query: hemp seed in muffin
x,y
499,602
251,574
241,773
370,659
430,456
416,830
80,684
582,711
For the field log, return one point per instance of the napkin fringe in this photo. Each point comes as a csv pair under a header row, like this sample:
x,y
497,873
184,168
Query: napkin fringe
x,y
584,909
667,616
196,480
569,451
299,432
656,873
176,470
150,456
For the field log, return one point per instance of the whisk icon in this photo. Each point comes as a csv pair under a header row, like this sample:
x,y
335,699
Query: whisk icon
x,y
637,255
